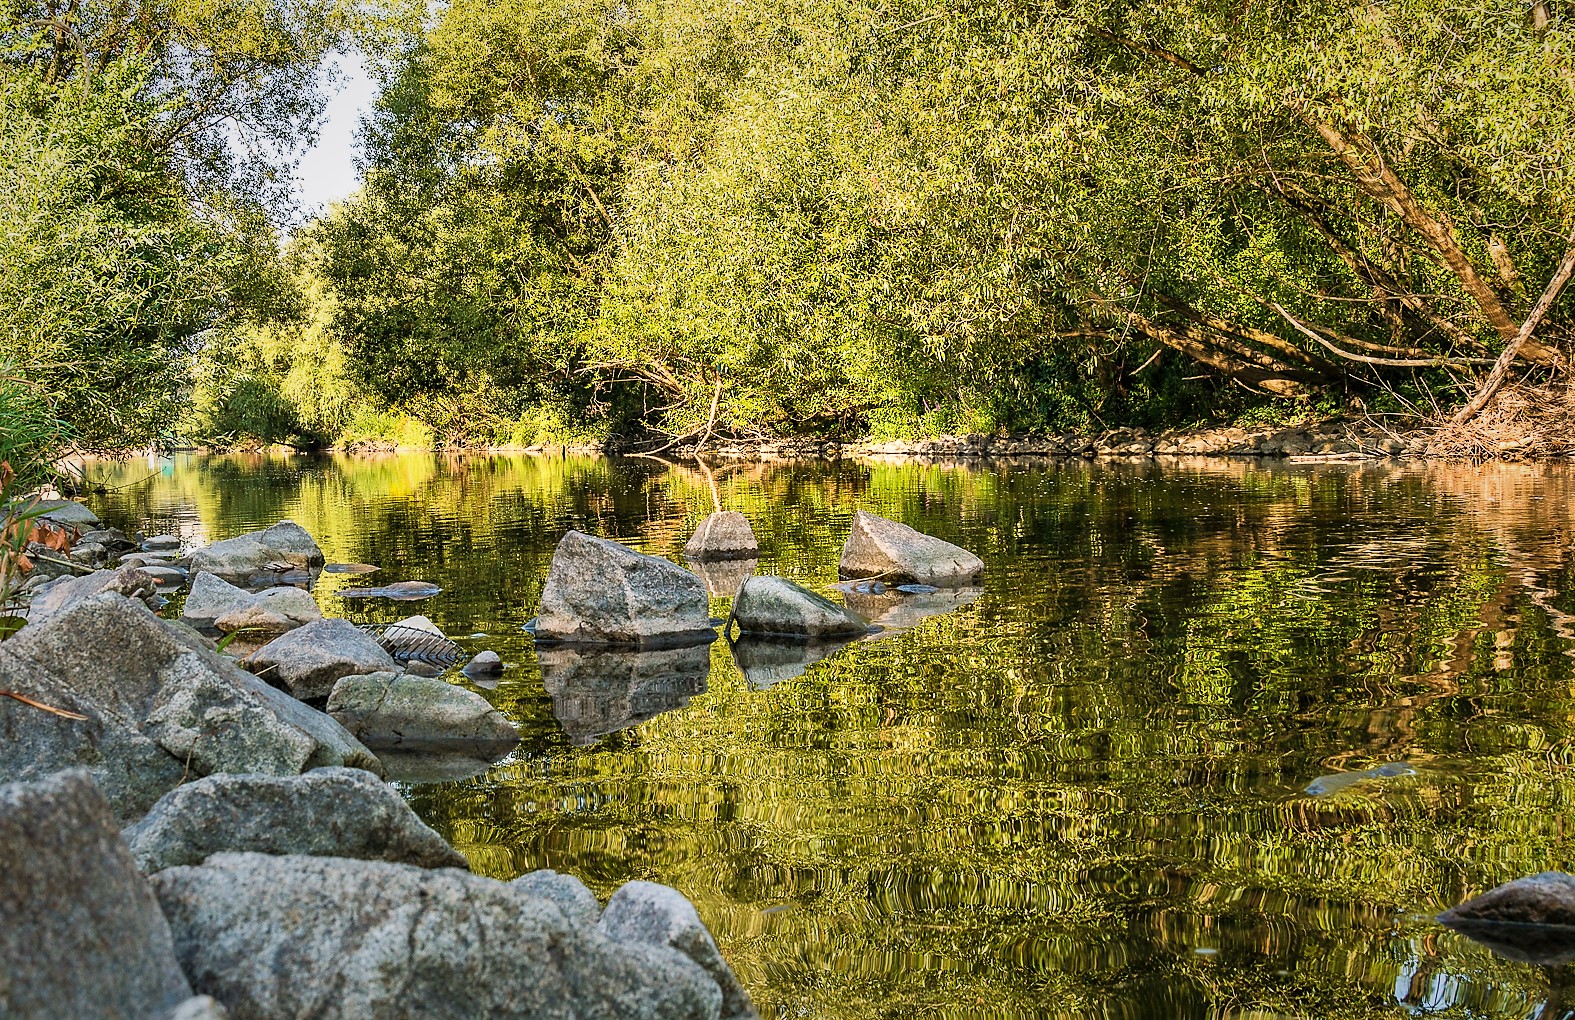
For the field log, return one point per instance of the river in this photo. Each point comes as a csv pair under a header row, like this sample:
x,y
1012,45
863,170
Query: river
x,y
1079,792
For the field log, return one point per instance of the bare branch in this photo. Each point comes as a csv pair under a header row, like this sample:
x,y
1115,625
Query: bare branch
x,y
1495,378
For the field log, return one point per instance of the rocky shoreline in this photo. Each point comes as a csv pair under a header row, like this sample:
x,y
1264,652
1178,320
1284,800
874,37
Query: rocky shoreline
x,y
1336,440
1332,440
197,830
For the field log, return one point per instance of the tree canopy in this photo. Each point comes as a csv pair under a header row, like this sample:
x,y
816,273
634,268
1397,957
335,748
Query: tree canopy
x,y
593,218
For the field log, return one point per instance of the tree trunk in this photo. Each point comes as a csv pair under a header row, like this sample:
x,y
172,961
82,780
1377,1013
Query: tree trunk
x,y
1374,176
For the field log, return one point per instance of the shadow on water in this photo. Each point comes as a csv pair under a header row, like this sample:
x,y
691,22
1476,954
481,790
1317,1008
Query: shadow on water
x,y
1081,790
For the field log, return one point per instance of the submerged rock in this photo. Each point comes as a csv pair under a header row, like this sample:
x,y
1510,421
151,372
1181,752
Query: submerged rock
x,y
600,691
600,592
338,939
1325,785
417,713
725,535
350,568
399,591
112,540
257,553
81,932
330,812
402,765
160,707
309,660
897,554
777,606
650,914
896,609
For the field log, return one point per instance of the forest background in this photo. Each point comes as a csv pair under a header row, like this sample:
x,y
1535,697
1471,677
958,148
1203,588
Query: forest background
x,y
594,220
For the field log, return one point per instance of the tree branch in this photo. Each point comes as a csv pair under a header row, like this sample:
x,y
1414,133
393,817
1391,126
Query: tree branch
x,y
1495,378
1366,359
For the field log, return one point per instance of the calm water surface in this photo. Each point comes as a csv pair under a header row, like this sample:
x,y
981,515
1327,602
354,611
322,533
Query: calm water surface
x,y
1079,794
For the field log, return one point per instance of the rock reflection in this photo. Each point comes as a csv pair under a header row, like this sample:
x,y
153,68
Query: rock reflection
x,y
723,578
1546,945
896,611
765,661
430,766
597,691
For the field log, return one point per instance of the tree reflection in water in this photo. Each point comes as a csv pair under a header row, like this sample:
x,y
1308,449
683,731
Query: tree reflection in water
x,y
1082,793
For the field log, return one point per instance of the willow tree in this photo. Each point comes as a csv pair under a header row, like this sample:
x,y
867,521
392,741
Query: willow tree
x,y
1287,193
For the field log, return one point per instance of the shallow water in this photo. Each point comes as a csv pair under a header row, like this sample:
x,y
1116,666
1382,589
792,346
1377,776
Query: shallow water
x,y
1082,793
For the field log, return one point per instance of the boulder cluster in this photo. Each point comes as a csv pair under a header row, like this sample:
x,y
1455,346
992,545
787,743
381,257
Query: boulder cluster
x,y
191,835
621,635
603,593
255,897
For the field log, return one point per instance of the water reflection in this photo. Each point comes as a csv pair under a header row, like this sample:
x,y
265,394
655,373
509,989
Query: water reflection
x,y
723,578
764,660
1079,793
600,691
896,611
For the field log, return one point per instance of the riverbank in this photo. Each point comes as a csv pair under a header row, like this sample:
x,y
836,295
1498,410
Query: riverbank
x,y
1520,426
1331,440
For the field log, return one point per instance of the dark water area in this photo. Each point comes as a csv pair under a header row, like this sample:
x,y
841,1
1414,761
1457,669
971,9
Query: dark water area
x,y
1082,791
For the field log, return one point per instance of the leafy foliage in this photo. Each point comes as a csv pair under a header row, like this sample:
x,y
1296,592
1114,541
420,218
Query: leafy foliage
x,y
904,218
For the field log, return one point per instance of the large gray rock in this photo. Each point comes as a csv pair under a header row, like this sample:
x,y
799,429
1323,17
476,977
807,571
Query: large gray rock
x,y
216,604
81,934
600,592
577,902
897,554
725,535
61,595
160,706
420,714
337,939
644,913
250,554
777,606
64,511
332,812
597,691
309,660
210,598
